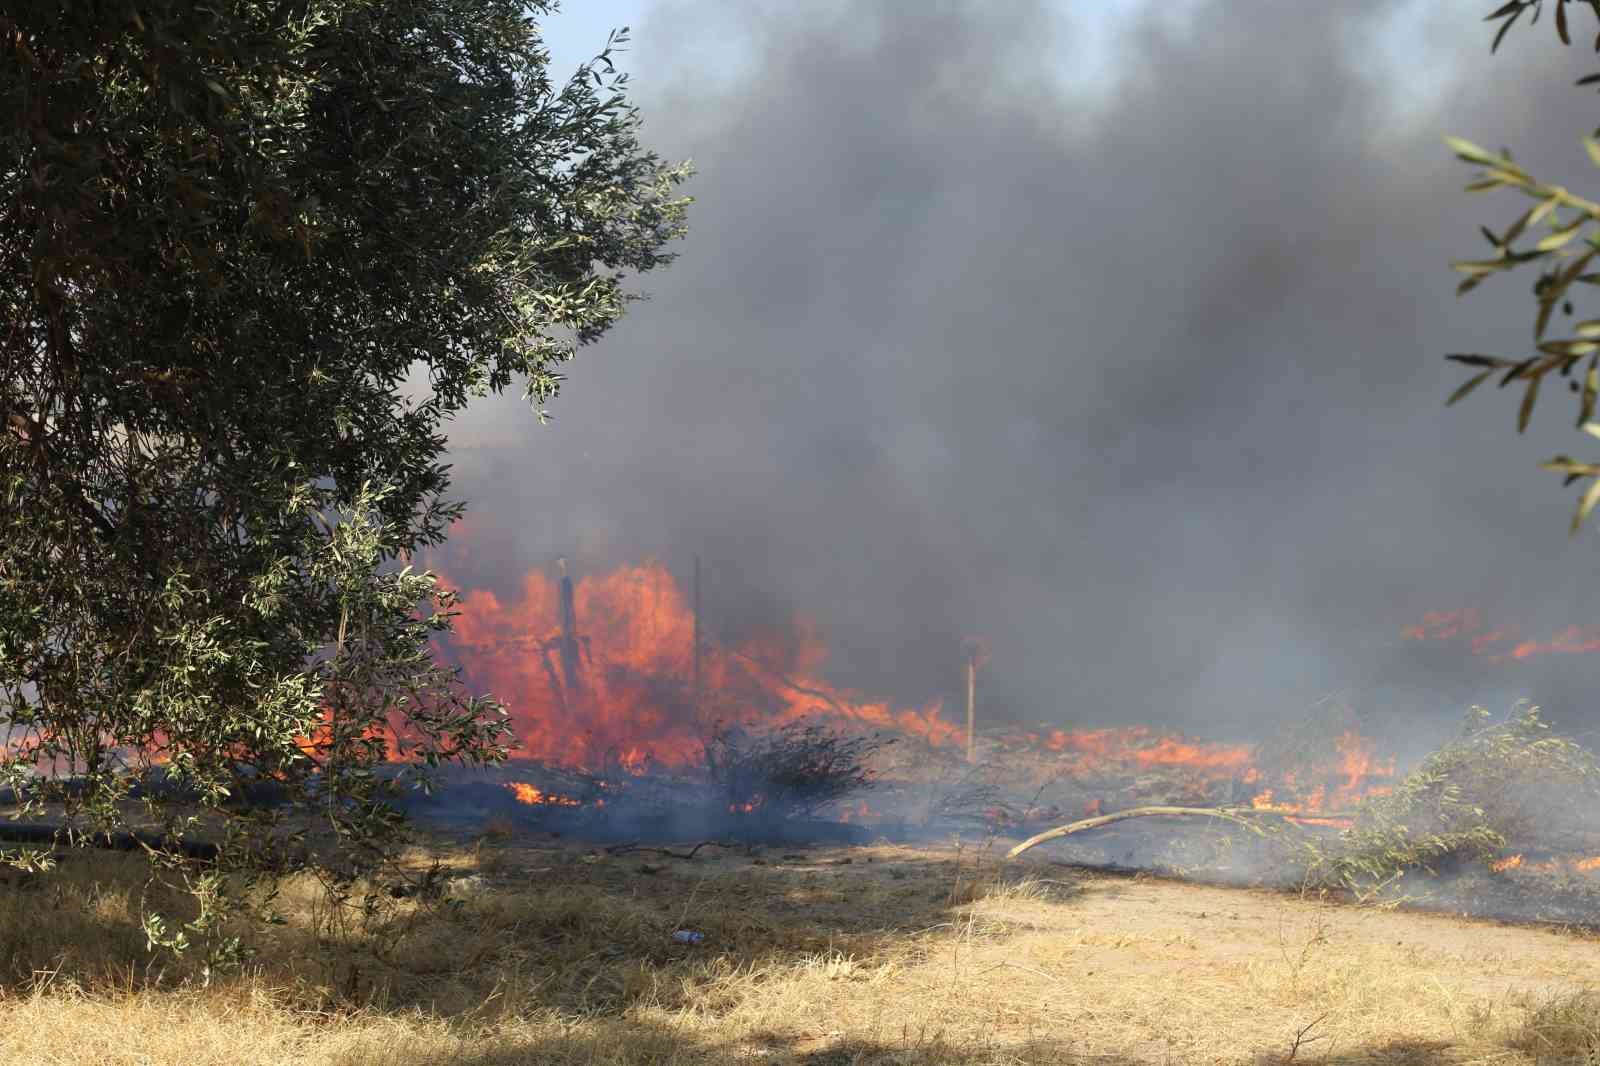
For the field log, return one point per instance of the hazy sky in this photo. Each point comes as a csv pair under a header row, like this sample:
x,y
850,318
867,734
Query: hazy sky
x,y
1112,331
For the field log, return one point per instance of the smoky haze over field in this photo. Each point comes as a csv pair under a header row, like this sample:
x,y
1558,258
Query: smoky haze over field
x,y
1139,373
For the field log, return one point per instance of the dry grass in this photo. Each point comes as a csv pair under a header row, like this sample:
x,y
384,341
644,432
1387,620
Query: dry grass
x,y
880,955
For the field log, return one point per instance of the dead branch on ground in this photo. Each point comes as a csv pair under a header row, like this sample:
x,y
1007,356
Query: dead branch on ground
x,y
1133,812
626,849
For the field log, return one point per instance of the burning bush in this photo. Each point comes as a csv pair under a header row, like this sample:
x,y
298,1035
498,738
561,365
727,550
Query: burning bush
x,y
795,771
1499,782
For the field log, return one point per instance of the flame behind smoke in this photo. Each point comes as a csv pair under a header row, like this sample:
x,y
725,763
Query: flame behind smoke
x,y
1501,643
1551,865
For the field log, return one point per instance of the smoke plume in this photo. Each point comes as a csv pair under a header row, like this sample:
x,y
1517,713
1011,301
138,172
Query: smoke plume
x,y
1136,372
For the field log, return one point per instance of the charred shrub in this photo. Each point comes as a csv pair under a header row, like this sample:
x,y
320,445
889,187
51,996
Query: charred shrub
x,y
972,803
793,772
976,799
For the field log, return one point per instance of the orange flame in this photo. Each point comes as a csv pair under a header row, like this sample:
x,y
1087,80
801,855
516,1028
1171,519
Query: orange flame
x,y
1573,640
1357,764
1146,749
861,812
617,687
317,744
1503,643
1560,864
532,796
597,673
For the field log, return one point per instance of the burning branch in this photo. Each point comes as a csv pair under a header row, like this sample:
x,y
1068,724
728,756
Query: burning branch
x,y
1133,812
788,682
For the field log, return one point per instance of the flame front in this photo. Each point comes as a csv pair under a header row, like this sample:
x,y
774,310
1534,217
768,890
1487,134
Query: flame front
x,y
599,674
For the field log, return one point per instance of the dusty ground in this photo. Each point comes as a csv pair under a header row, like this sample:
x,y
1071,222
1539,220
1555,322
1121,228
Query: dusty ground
x,y
870,955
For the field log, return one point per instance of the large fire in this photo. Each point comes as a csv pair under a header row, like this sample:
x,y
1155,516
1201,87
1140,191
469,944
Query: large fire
x,y
600,674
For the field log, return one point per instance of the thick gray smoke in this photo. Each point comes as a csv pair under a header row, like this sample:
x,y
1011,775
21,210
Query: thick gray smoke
x,y
1143,384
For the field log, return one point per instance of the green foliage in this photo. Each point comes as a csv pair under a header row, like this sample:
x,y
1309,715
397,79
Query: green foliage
x,y
1567,250
234,236
1498,782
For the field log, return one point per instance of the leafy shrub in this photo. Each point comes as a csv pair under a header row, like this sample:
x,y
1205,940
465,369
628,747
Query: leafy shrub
x,y
1498,782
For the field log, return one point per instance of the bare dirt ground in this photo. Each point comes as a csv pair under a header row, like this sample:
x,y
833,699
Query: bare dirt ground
x,y
822,957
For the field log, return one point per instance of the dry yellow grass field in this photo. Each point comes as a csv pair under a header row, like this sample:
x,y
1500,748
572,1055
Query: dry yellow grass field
x,y
868,955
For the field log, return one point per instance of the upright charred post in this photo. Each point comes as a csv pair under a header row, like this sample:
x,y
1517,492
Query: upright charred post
x,y
570,675
697,642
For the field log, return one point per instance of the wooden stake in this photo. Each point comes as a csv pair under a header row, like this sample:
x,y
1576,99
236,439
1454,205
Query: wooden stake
x,y
972,710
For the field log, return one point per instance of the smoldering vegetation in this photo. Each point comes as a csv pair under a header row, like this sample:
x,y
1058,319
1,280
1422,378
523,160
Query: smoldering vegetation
x,y
1501,821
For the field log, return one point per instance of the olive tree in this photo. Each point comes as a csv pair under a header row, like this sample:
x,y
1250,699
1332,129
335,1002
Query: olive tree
x,y
232,239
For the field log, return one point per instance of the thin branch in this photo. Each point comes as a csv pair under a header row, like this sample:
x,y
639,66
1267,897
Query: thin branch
x,y
629,848
1133,812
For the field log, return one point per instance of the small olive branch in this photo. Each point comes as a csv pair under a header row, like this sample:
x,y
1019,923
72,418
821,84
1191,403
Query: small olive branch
x,y
1513,10
1566,215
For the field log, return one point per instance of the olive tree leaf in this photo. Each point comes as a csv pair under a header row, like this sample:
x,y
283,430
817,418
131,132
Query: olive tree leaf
x,y
1471,153
1505,28
1561,236
1529,398
1591,390
1563,464
1591,496
1473,359
1467,386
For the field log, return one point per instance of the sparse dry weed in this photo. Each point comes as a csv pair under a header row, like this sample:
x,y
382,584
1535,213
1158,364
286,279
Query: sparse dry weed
x,y
1561,1029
